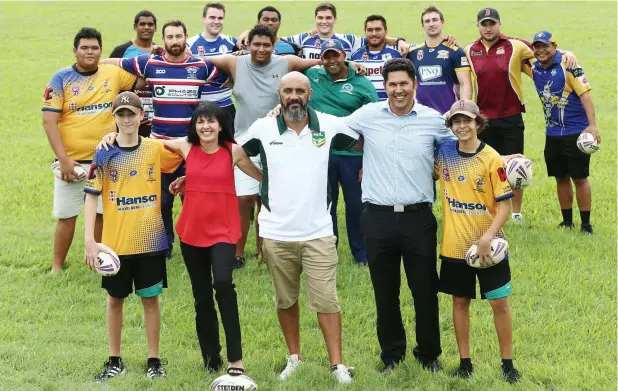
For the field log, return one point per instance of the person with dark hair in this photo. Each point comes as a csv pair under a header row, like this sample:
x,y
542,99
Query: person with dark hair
x,y
271,17
211,42
176,81
145,25
76,113
443,69
472,173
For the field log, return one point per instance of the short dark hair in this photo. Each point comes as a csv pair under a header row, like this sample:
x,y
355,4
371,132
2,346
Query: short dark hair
x,y
399,64
269,9
173,23
431,9
87,33
218,6
209,109
325,7
482,122
372,18
261,31
144,14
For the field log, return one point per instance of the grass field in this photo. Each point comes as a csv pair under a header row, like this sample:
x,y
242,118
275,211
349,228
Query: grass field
x,y
52,328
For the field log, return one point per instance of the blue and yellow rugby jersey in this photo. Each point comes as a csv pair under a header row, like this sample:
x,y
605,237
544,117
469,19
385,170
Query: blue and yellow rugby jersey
x,y
559,89
472,185
129,180
436,69
84,101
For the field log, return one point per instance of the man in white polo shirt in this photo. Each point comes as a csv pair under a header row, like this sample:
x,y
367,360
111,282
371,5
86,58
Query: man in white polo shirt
x,y
295,219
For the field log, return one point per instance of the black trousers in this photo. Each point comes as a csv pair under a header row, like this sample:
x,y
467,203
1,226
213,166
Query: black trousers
x,y
389,236
201,261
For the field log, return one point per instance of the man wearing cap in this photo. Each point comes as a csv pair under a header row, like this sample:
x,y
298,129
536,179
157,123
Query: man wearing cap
x,y
569,111
339,91
497,62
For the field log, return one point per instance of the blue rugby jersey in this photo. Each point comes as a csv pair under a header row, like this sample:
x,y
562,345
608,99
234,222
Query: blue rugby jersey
x,y
374,62
559,89
176,89
312,45
203,47
436,69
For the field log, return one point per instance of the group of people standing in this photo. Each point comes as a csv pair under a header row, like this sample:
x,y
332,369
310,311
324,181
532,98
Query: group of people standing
x,y
228,157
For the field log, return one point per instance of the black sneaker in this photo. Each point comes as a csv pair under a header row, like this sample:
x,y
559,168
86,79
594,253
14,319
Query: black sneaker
x,y
154,369
463,372
587,229
110,369
511,375
240,262
564,224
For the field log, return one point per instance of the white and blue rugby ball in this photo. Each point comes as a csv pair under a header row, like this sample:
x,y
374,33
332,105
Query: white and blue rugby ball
x,y
234,383
587,143
107,264
519,173
499,251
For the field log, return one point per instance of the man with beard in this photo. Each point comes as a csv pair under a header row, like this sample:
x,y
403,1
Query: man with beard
x,y
269,16
210,43
76,114
255,80
145,25
176,81
443,70
294,219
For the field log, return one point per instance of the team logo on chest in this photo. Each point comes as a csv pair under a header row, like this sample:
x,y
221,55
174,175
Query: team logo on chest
x,y
479,182
223,49
365,56
500,50
419,55
75,91
106,88
446,174
191,72
442,54
150,173
347,88
318,138
113,175
200,50
318,44
387,56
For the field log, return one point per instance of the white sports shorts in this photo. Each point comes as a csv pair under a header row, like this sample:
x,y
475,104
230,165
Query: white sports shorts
x,y
245,185
69,197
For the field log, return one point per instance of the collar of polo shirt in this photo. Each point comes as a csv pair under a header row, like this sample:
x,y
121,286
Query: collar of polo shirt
x,y
314,124
386,107
351,73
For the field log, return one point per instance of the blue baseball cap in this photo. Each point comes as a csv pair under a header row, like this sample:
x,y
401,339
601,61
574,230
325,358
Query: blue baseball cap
x,y
544,36
332,44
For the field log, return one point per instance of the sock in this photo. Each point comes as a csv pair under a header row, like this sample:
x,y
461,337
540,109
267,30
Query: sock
x,y
114,359
152,360
507,363
465,363
567,215
585,216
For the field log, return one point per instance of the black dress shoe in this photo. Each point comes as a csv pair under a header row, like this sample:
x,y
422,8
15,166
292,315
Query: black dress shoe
x,y
431,365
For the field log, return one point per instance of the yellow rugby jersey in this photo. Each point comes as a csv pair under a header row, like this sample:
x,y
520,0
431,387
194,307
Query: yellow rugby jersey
x,y
472,185
84,101
129,180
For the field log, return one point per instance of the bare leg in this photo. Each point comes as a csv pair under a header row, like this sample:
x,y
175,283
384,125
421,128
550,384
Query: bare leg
x,y
331,329
114,324
289,321
583,193
152,321
565,192
65,229
461,321
502,321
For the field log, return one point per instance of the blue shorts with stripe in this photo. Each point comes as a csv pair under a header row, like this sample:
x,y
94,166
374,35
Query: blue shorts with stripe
x,y
459,279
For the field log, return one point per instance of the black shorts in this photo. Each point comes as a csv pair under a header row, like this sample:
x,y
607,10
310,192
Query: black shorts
x,y
231,115
459,279
147,272
564,159
505,135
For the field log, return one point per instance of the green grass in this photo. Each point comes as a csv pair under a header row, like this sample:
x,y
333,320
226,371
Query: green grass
x,y
52,329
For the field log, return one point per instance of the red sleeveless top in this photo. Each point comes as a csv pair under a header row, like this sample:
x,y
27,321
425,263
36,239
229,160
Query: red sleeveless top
x,y
210,209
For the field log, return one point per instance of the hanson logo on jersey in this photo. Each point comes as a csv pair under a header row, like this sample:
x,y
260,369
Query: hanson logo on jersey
x,y
96,108
132,203
469,208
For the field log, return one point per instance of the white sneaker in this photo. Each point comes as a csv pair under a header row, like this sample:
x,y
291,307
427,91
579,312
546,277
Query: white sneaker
x,y
342,374
517,217
292,365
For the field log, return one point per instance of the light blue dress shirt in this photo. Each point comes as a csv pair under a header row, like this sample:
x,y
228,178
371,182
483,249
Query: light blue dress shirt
x,y
398,159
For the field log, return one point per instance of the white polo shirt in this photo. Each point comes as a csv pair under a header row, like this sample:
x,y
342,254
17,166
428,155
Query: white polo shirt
x,y
295,191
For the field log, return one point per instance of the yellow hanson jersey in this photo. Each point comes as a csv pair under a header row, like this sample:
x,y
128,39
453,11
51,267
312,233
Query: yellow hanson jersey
x,y
84,101
472,185
129,180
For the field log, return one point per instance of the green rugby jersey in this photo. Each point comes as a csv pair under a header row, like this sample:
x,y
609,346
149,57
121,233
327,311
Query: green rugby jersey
x,y
339,97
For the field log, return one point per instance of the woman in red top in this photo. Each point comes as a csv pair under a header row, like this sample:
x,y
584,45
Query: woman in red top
x,y
209,227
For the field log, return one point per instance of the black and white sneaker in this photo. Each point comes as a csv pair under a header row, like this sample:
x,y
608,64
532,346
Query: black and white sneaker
x,y
154,368
111,368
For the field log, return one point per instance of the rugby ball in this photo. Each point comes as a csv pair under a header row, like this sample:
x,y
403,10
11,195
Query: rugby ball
x,y
234,383
587,143
499,250
77,171
107,264
519,173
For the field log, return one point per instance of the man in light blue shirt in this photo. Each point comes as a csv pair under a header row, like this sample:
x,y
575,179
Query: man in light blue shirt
x,y
400,136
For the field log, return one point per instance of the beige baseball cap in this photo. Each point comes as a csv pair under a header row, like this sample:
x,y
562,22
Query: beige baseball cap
x,y
127,100
465,107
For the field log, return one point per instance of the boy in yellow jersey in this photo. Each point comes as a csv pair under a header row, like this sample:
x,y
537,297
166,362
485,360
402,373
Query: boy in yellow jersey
x,y
475,203
128,179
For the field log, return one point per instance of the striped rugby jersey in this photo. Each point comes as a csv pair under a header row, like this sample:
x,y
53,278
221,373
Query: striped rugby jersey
x,y
203,47
312,45
374,62
176,89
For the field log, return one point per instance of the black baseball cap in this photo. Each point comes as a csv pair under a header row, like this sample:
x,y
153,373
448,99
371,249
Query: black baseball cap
x,y
488,13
